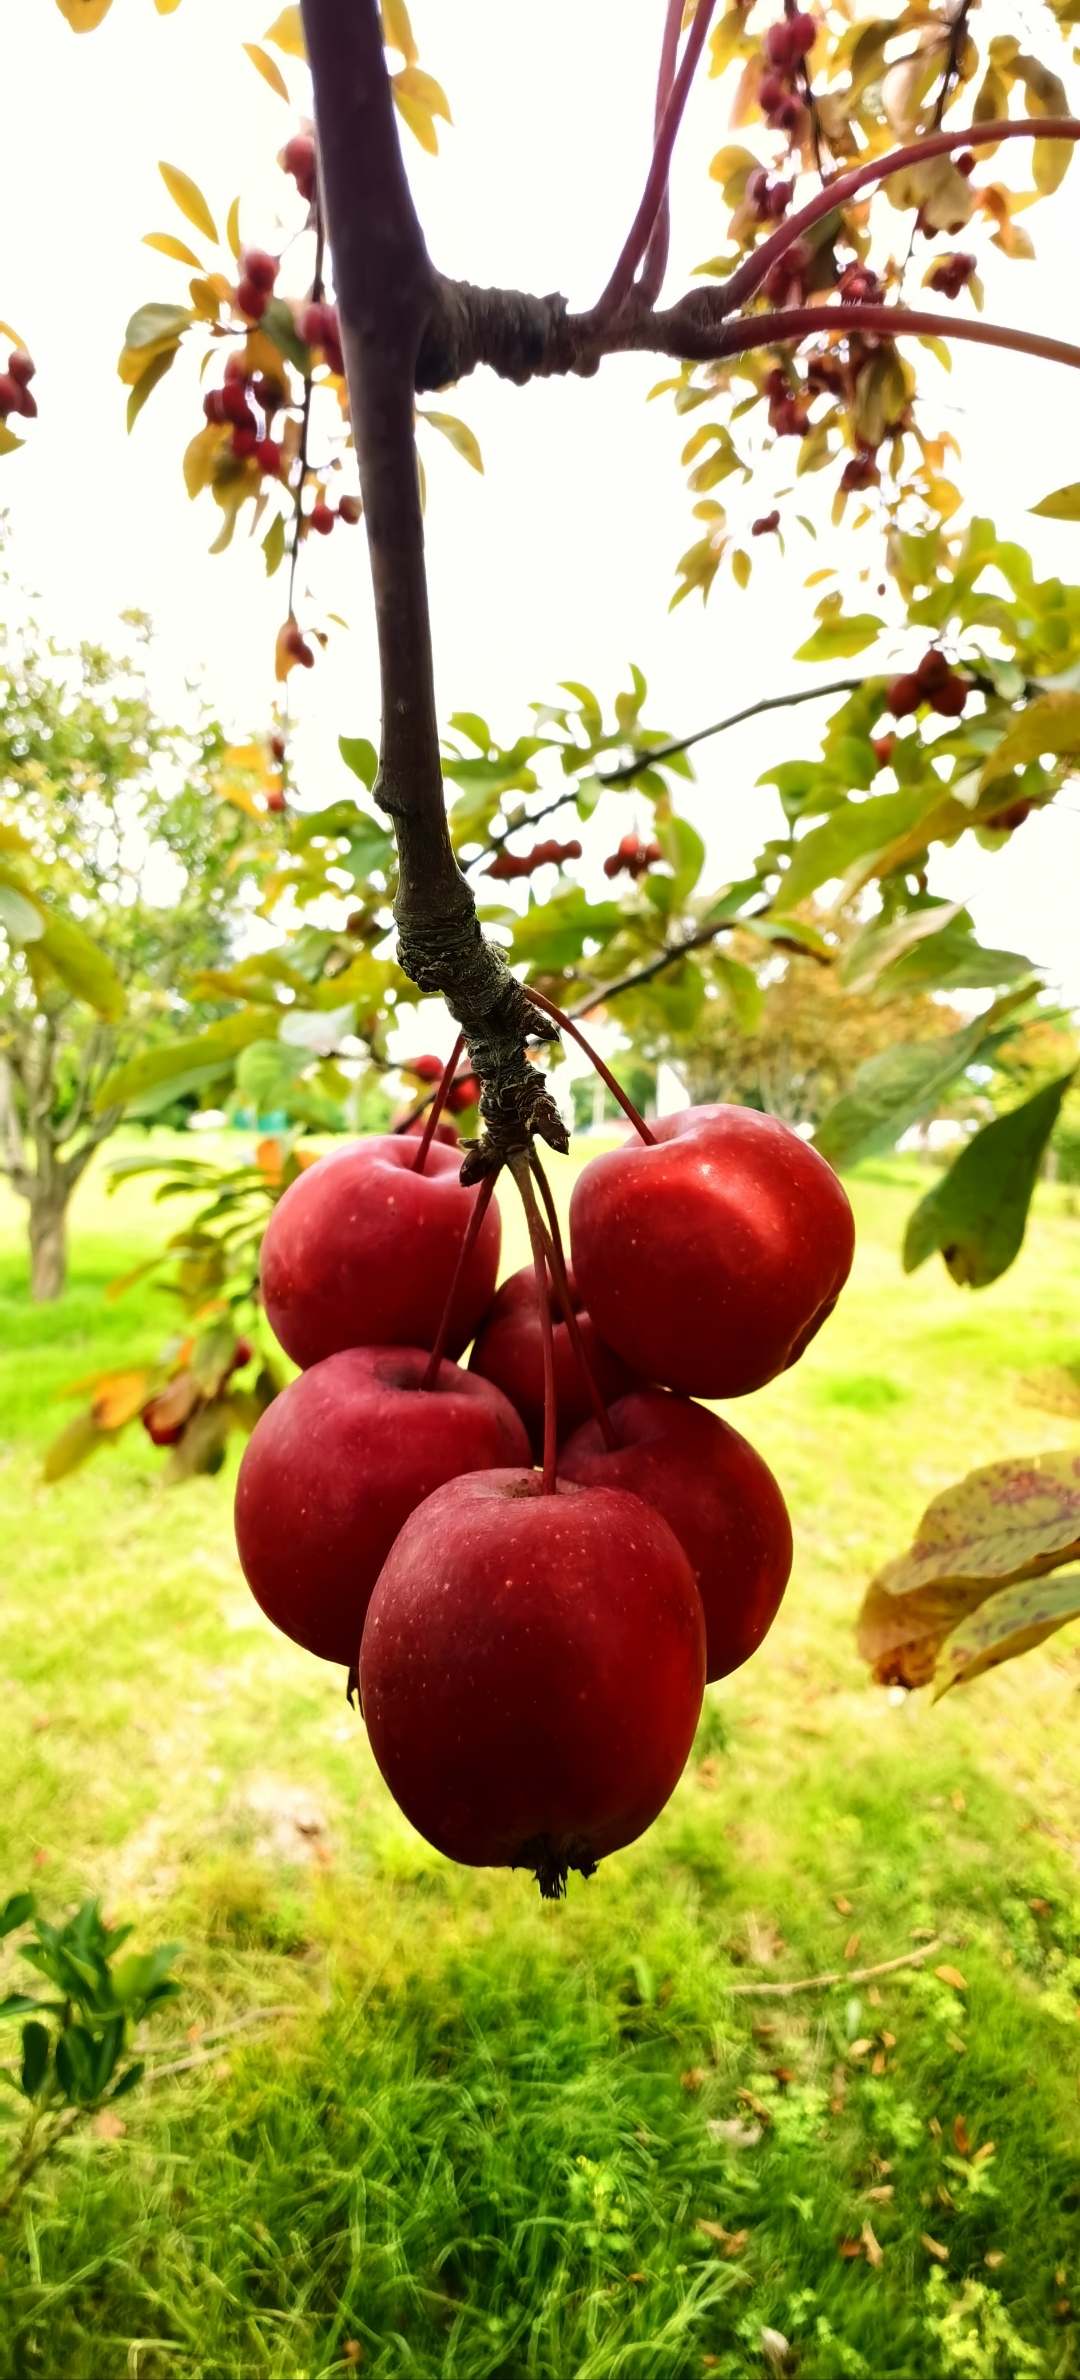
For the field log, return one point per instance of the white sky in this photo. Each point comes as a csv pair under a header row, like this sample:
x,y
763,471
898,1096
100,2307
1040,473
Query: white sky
x,y
560,561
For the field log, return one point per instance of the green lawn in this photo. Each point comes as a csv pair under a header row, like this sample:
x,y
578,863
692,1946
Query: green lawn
x,y
485,2137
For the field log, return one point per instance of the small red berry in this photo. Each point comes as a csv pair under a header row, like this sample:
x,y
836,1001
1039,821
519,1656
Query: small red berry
x,y
349,510
883,746
260,268
213,406
10,395
321,518
293,643
268,394
21,366
951,274
277,746
267,454
948,699
1004,821
251,300
298,159
244,443
275,799
904,695
766,525
861,472
771,93
932,670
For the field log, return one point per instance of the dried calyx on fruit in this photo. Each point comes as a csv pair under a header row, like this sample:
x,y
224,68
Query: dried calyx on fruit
x,y
531,1646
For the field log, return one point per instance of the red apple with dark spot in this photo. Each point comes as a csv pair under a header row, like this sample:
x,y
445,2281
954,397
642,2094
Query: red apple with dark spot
x,y
715,1493
710,1259
531,1671
509,1350
333,1469
361,1252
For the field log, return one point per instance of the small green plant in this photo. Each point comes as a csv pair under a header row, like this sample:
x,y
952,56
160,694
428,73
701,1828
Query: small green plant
x,y
75,2048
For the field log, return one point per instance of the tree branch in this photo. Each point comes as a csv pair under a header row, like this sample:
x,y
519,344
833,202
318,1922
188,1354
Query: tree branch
x,y
651,277
692,338
655,191
387,294
769,702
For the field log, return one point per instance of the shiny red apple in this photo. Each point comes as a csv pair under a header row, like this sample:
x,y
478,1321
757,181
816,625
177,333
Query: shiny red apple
x,y
531,1671
718,1497
710,1259
361,1252
509,1351
335,1466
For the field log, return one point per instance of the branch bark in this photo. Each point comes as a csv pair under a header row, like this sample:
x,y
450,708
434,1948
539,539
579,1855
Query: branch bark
x,y
387,293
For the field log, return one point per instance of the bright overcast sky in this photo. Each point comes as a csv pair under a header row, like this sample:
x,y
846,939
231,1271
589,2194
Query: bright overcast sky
x,y
559,562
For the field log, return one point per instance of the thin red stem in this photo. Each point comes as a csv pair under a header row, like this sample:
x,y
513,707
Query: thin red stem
x,y
438,1104
519,1167
557,1262
751,273
657,181
483,1201
567,1024
888,322
651,276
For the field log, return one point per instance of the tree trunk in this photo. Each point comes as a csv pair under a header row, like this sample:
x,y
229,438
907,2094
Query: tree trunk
x,y
48,1247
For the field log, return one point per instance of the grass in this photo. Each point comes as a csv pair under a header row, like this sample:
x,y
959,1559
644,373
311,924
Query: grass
x,y
484,2141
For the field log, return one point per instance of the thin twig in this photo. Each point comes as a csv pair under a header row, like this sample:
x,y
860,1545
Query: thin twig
x,y
769,702
305,424
789,325
957,31
651,276
657,181
519,1167
236,2024
821,1983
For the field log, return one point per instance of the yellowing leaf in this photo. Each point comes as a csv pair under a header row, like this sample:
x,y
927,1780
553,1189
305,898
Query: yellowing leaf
x,y
462,439
187,195
397,32
265,66
232,228
732,167
1063,504
200,455
8,440
287,33
419,99
1050,724
165,8
166,245
147,382
741,567
951,1975
6,332
82,16
119,1398
82,1436
1005,1626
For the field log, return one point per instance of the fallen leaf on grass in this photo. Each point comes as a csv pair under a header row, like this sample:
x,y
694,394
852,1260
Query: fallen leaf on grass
x,y
994,2257
878,2065
353,2351
859,2048
955,2043
849,2249
934,2248
750,2099
958,1801
776,2349
693,2078
961,2136
875,2253
952,1976
107,2126
888,2040
1039,1907
851,1946
841,1902
635,2276
729,2129
987,2150
882,2193
922,1933
732,2243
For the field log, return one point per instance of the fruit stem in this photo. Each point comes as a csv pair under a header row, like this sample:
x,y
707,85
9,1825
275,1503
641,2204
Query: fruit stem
x,y
567,1025
557,1261
483,1201
519,1167
438,1104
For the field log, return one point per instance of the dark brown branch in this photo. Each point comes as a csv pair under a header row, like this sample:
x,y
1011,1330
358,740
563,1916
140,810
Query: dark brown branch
x,y
957,31
655,190
769,702
388,294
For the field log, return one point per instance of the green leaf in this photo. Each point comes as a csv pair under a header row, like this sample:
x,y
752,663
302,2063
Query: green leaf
x,y
18,2004
35,2057
361,757
879,943
554,935
977,1214
318,1030
1050,724
74,1445
17,1910
216,1047
370,847
462,439
20,918
83,967
264,1072
129,2080
1062,505
838,638
277,321
147,383
952,961
853,833
1006,1625
743,990
273,544
892,1091
151,326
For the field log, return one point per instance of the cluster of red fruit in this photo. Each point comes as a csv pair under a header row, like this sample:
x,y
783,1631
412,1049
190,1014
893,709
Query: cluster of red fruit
x,y
633,857
531,1648
15,394
932,682
786,47
952,273
507,864
462,1094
